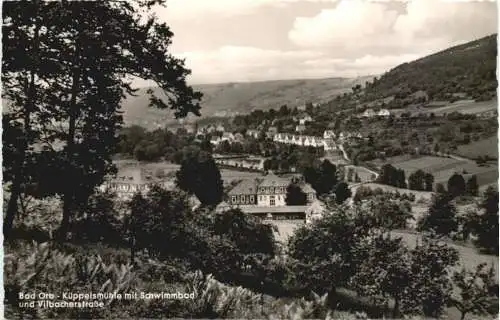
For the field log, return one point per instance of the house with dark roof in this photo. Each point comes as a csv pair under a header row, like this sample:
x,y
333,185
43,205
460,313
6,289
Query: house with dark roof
x,y
244,193
267,192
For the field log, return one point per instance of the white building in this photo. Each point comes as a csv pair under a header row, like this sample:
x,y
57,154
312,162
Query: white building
x,y
329,134
384,113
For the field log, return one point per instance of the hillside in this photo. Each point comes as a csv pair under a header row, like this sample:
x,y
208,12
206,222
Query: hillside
x,y
228,99
463,71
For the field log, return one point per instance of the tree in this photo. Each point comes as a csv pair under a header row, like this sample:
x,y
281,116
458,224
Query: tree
x,y
385,271
429,182
323,254
456,185
440,188
431,288
390,214
472,187
90,60
484,222
295,196
441,216
478,291
199,175
342,192
416,181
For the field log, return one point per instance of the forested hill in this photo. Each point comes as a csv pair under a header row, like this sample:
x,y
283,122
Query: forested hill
x,y
464,70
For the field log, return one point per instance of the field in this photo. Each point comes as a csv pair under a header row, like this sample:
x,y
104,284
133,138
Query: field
x,y
363,173
424,195
486,147
444,168
469,257
170,168
466,107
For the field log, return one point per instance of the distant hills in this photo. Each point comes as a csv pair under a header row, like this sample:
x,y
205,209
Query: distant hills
x,y
466,71
227,99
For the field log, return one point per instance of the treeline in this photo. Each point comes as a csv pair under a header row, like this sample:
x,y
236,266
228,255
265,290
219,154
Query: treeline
x,y
424,181
160,144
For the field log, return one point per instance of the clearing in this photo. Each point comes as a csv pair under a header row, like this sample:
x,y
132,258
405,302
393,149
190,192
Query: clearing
x,y
485,147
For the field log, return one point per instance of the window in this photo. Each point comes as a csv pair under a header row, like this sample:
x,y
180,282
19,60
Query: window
x,y
242,197
233,199
252,199
272,201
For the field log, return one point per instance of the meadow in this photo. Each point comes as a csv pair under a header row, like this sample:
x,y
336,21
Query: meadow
x,y
444,168
485,147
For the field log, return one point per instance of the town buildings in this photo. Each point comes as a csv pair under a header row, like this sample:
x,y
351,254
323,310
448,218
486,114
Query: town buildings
x,y
131,180
267,192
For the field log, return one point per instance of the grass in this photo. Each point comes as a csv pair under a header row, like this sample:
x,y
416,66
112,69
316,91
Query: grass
x,y
444,168
228,175
469,257
485,147
466,107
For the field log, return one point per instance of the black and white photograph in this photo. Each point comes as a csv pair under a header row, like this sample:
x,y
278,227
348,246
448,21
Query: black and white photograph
x,y
250,159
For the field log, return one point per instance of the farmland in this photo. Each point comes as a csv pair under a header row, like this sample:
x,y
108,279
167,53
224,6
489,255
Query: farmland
x,y
485,147
444,168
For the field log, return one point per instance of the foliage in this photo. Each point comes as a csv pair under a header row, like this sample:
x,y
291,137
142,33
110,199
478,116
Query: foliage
x,y
472,187
483,222
430,288
323,252
478,291
441,216
392,176
456,185
60,69
323,178
342,192
385,272
199,175
390,214
295,196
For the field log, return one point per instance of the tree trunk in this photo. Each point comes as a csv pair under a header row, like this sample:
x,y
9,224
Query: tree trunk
x,y
462,316
18,172
395,311
68,196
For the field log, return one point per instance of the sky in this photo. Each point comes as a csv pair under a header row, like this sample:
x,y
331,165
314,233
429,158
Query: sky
x,y
254,40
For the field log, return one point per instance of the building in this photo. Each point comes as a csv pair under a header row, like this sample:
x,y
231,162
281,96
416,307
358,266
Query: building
x,y
272,191
267,192
253,133
329,145
329,134
305,119
220,128
369,113
384,113
300,128
132,180
244,193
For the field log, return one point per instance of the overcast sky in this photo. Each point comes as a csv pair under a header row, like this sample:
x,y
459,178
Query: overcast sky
x,y
250,40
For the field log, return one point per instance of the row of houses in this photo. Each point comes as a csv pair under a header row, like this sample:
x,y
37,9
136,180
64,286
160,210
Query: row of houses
x,y
306,141
246,162
267,192
227,136
370,113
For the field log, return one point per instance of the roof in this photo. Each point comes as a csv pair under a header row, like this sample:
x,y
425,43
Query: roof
x,y
272,180
248,186
135,175
278,209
